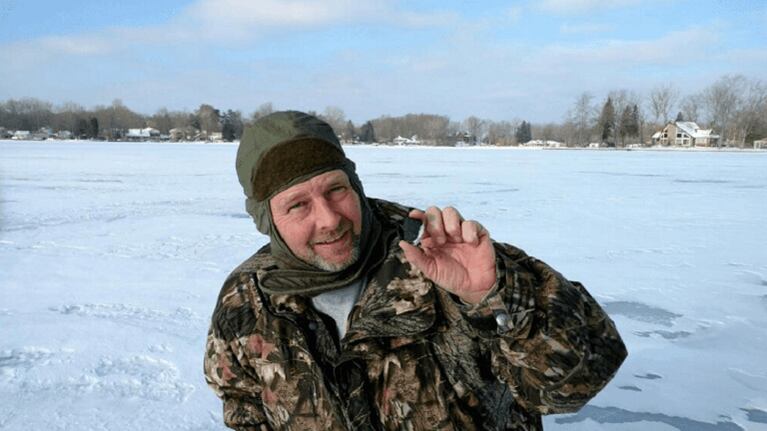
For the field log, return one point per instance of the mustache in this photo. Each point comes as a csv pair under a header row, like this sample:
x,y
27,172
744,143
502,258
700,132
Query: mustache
x,y
343,226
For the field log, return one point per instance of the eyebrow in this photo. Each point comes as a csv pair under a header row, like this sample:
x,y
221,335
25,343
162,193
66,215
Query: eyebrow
x,y
338,179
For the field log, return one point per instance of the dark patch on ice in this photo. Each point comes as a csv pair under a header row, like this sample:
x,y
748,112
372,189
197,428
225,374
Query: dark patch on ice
x,y
234,215
99,180
641,312
756,415
622,174
630,388
684,181
648,376
750,187
669,335
511,190
614,415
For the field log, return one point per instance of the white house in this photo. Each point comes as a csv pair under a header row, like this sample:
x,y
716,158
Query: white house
x,y
145,134
399,140
685,134
21,135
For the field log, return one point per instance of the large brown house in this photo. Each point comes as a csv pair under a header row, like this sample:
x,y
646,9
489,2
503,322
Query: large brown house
x,y
685,134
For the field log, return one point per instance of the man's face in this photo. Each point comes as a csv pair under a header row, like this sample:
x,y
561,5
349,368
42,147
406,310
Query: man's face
x,y
320,220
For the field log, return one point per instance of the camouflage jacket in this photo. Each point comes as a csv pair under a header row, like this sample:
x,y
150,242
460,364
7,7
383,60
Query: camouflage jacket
x,y
414,357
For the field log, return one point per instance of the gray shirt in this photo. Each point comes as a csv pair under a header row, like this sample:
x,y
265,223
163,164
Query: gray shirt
x,y
338,304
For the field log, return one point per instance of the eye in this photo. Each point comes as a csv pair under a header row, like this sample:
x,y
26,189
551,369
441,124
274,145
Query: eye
x,y
337,191
296,206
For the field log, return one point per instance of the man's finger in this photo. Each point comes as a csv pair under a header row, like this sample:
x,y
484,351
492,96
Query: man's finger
x,y
473,231
435,225
452,219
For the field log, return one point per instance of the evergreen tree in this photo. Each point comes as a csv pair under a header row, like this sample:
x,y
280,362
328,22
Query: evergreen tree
x,y
624,127
93,130
635,126
231,125
523,133
349,131
607,120
679,116
83,128
367,134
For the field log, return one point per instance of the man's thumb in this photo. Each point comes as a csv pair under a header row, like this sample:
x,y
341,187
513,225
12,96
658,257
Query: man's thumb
x,y
415,256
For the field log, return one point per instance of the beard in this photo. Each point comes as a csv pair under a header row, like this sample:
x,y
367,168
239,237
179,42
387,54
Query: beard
x,y
318,261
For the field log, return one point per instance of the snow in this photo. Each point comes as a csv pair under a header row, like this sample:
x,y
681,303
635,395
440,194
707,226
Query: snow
x,y
111,257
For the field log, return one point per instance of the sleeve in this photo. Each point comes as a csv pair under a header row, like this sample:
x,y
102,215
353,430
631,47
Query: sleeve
x,y
550,341
227,373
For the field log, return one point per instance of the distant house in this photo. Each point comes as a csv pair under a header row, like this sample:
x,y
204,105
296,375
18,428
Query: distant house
x,y
542,143
399,140
760,144
63,134
187,133
464,139
216,137
5,134
21,135
146,134
685,134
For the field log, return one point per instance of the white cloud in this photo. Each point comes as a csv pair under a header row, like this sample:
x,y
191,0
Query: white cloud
x,y
581,6
249,18
585,28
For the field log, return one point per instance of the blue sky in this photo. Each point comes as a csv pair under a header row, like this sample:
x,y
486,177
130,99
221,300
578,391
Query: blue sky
x,y
501,60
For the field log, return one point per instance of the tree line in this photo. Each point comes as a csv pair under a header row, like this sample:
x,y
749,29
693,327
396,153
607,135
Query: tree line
x,y
734,106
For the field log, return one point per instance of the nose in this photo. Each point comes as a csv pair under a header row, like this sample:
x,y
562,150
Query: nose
x,y
326,216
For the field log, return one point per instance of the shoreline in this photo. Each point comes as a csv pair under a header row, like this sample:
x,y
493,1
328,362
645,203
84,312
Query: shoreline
x,y
414,147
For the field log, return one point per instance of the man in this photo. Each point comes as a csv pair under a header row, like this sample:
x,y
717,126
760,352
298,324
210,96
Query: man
x,y
339,324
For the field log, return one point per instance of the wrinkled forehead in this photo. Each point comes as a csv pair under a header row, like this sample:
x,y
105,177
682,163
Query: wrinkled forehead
x,y
306,187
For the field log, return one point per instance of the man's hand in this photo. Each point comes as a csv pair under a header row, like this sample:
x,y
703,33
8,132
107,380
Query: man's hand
x,y
454,253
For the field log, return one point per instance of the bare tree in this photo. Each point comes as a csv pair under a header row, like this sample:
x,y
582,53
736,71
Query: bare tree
x,y
335,116
583,116
209,119
750,116
475,126
691,107
263,110
500,133
722,101
661,101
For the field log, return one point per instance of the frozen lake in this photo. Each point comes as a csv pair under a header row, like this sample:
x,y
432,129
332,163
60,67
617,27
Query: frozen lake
x,y
112,255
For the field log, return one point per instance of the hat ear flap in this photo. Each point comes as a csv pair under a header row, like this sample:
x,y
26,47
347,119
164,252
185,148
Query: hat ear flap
x,y
259,212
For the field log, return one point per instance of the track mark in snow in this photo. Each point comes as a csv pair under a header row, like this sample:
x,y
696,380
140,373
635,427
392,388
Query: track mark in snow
x,y
753,277
648,376
641,312
630,388
756,415
177,322
614,415
685,181
25,357
160,348
668,335
141,376
752,381
622,174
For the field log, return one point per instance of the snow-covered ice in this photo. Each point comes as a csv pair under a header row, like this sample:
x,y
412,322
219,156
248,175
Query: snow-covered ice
x,y
111,257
